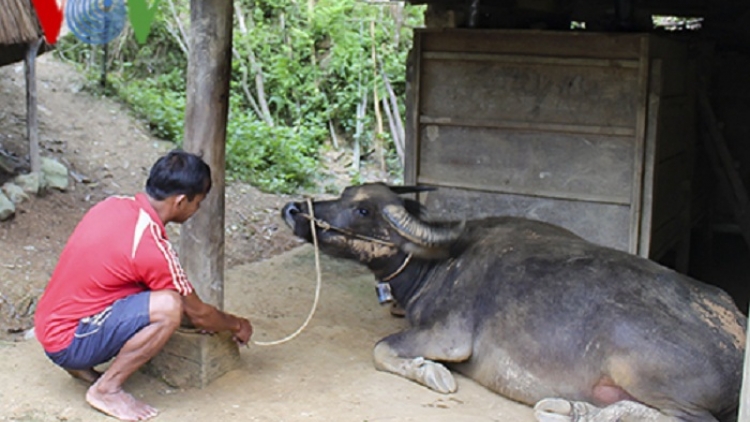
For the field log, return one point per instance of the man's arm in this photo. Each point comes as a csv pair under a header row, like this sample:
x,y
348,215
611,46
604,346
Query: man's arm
x,y
209,318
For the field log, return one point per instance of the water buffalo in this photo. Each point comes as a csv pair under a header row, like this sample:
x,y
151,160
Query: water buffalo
x,y
537,314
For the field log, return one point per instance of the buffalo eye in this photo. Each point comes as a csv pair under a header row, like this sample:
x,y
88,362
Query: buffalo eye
x,y
364,212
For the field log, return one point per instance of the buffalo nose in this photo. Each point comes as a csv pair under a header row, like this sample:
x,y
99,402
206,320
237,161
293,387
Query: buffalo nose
x,y
289,211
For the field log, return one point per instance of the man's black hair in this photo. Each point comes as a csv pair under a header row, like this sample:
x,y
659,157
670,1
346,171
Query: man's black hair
x,y
178,173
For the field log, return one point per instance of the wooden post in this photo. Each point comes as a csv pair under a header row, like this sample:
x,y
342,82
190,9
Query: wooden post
x,y
209,66
190,359
32,123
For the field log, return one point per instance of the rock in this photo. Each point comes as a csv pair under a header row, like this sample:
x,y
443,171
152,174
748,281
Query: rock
x,y
15,193
7,209
29,334
29,183
55,174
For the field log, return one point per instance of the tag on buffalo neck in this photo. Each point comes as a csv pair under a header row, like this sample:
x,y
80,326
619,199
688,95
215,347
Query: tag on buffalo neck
x,y
384,293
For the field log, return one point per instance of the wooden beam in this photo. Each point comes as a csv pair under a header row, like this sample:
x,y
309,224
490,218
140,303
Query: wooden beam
x,y
32,123
730,183
536,193
624,131
640,143
411,130
209,66
732,187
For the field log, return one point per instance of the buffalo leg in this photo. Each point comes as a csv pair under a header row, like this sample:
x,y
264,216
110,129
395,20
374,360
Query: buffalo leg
x,y
412,354
559,410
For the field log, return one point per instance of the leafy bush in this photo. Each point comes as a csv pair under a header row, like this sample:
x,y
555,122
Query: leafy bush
x,y
297,72
274,158
163,109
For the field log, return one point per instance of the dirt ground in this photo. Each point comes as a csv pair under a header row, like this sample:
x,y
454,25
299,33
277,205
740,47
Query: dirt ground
x,y
108,152
324,374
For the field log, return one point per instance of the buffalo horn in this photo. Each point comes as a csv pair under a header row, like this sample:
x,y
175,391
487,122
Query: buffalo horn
x,y
418,232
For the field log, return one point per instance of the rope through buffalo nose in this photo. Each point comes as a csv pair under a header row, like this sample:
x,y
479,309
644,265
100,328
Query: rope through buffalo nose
x,y
327,226
317,287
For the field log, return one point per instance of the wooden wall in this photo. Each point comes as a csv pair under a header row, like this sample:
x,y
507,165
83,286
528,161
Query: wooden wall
x,y
591,131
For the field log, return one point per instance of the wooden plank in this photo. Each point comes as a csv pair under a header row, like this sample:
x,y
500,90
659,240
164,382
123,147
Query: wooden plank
x,y
528,162
548,43
671,189
676,127
638,157
677,82
668,237
537,126
674,55
718,146
411,129
209,67
729,181
649,158
527,59
600,199
604,224
574,95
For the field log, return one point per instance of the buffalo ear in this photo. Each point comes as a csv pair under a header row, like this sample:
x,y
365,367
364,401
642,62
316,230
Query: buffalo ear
x,y
400,190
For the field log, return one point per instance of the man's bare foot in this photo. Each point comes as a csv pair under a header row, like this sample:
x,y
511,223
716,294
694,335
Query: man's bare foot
x,y
88,376
119,404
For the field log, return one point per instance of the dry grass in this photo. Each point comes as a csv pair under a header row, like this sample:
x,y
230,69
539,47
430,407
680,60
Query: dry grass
x,y
18,22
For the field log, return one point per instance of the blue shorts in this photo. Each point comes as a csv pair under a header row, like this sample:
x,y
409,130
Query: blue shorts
x,y
100,337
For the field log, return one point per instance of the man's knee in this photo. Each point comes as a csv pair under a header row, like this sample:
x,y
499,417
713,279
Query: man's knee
x,y
166,306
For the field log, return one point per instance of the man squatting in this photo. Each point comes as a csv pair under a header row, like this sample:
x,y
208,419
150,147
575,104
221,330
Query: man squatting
x,y
118,290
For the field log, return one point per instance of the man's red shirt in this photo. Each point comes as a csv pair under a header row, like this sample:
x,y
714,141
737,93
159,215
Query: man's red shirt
x,y
119,248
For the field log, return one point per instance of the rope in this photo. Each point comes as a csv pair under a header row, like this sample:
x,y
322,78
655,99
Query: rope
x,y
317,286
326,226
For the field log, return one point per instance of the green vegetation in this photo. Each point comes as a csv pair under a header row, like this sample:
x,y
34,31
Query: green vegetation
x,y
305,77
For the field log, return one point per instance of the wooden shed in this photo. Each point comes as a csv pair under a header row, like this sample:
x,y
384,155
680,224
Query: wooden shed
x,y
591,131
591,115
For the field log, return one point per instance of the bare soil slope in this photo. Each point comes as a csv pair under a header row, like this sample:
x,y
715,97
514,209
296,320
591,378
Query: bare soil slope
x,y
108,152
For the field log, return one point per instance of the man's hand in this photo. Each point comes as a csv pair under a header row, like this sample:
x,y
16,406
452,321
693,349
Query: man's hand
x,y
209,319
245,331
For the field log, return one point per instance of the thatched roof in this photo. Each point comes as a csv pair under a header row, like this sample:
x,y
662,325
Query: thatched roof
x,y
18,28
18,22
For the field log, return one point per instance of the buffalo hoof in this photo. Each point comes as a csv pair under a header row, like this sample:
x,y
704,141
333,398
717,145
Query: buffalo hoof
x,y
433,375
560,410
